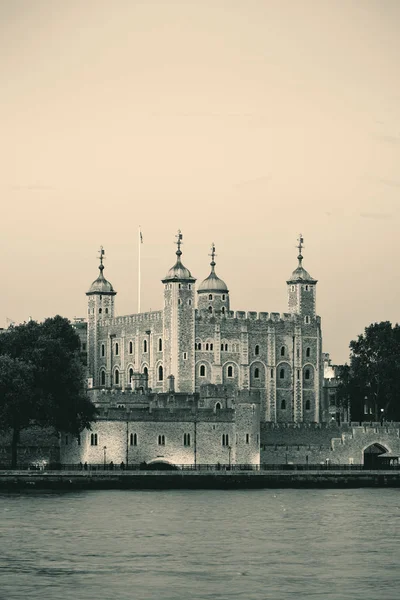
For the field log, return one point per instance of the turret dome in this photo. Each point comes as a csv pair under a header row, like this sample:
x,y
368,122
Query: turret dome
x,y
178,272
213,283
300,274
101,285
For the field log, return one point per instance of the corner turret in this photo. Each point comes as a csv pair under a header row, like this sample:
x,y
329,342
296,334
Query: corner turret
x,y
302,289
213,293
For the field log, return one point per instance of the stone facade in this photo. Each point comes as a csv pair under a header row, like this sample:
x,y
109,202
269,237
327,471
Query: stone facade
x,y
215,426
278,355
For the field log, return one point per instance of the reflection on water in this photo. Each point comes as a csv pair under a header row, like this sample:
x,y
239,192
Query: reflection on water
x,y
174,545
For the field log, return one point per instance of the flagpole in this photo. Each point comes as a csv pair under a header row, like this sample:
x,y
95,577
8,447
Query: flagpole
x,y
139,244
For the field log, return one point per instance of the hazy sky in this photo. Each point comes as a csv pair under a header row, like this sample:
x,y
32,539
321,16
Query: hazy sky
x,y
240,122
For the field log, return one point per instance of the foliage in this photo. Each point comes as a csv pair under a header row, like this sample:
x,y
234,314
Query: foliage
x,y
41,378
372,378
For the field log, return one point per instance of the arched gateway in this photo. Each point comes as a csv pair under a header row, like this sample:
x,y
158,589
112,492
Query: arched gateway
x,y
161,465
371,454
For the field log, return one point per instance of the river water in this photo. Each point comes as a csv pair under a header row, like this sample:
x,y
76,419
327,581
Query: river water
x,y
173,545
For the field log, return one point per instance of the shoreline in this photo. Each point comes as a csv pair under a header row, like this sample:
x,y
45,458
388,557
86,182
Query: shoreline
x,y
162,480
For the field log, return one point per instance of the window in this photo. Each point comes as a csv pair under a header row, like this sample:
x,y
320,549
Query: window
x,y
257,350
207,346
230,371
199,346
190,302
272,373
190,286
100,311
283,351
202,371
179,286
281,373
144,345
222,347
308,405
116,349
179,301
210,296
166,286
103,377
247,438
307,320
256,373
223,310
185,356
225,439
116,377
226,347
308,352
145,371
210,309
130,375
133,439
103,350
160,373
211,346
186,439
283,405
223,296
106,311
298,374
306,288
161,440
93,439
307,374
218,406
130,347
159,344
298,353
293,288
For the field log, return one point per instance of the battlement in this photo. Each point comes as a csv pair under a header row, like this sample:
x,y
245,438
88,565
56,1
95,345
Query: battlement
x,y
241,315
146,317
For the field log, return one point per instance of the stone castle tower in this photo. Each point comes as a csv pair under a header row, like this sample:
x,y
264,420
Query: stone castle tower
x,y
279,355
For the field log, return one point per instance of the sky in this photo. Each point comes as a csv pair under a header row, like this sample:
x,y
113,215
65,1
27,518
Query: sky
x,y
242,123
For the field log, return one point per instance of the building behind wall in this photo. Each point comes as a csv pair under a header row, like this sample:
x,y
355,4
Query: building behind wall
x,y
199,340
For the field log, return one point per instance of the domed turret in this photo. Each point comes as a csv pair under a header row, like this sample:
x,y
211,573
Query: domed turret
x,y
178,272
213,293
101,285
302,289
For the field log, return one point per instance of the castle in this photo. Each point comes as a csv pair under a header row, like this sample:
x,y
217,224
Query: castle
x,y
198,339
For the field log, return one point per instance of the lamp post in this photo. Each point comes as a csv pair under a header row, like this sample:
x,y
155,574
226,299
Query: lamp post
x,y
229,450
105,456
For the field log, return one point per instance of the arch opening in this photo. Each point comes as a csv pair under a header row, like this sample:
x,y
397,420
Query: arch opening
x,y
370,455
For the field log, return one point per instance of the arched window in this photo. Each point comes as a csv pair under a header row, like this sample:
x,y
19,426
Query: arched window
x,y
211,346
103,378
160,373
144,345
226,347
218,406
106,311
199,345
159,344
257,350
103,350
308,405
223,296
100,311
222,347
133,439
225,439
283,405
223,310
308,352
202,371
116,349
230,371
186,439
210,296
256,373
116,377
130,347
307,374
93,439
145,371
161,440
282,374
207,346
282,350
210,309
130,375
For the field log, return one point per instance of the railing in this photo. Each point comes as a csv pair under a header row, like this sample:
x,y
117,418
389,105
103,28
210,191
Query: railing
x,y
191,467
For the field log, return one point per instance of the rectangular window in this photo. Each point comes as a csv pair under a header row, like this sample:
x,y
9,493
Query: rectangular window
x,y
247,438
185,356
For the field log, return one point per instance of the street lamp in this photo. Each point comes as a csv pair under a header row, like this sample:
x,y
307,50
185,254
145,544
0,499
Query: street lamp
x,y
105,456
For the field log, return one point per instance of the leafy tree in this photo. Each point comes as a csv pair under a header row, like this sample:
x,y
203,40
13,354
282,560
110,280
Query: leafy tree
x,y
48,388
372,377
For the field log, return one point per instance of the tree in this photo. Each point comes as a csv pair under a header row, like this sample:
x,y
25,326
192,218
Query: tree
x,y
53,393
371,380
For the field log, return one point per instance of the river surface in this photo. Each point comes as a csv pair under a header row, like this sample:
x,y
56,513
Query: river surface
x,y
173,545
